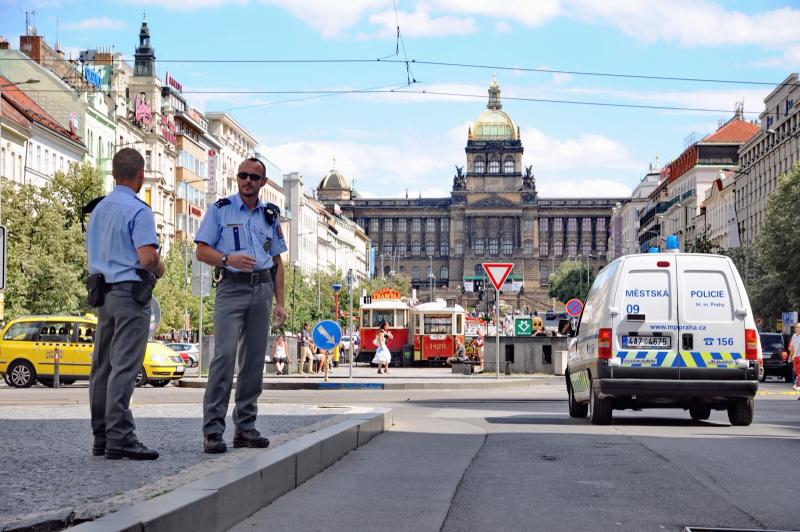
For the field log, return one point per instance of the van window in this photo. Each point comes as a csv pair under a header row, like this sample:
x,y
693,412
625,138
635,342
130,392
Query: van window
x,y
86,332
23,331
56,331
647,292
597,298
706,297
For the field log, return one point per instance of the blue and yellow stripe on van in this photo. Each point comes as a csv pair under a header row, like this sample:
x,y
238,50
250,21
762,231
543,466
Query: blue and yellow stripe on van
x,y
678,359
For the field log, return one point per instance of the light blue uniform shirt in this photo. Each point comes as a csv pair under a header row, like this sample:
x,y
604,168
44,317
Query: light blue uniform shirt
x,y
119,225
234,229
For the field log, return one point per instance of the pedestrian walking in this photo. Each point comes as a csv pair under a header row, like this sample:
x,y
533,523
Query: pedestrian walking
x,y
242,238
279,355
794,356
124,261
382,355
306,351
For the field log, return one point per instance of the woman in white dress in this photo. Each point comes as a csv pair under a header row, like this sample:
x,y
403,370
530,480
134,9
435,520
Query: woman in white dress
x,y
383,356
279,354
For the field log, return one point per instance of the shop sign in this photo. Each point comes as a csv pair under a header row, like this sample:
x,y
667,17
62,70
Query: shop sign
x,y
386,293
168,130
142,112
92,77
173,83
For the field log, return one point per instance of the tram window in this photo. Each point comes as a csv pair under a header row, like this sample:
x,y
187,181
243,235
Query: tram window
x,y
365,318
402,318
379,316
438,324
460,324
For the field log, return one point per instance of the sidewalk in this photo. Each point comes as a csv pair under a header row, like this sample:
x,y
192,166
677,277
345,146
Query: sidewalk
x,y
368,378
51,480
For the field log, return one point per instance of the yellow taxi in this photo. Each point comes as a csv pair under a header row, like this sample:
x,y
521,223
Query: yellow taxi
x,y
28,347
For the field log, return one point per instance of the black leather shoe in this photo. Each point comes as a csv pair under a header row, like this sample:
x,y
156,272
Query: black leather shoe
x,y
213,444
99,448
132,451
250,438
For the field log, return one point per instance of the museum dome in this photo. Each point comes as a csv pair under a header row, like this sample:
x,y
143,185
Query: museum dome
x,y
494,123
334,180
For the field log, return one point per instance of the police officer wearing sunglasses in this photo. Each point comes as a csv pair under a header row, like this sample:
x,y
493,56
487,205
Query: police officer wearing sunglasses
x,y
241,237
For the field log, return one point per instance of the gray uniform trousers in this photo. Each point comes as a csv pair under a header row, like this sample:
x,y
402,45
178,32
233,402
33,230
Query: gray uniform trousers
x,y
120,343
241,330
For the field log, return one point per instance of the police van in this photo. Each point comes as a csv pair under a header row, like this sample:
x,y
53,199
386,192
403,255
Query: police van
x,y
665,330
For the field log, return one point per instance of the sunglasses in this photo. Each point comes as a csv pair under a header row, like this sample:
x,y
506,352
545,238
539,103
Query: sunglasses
x,y
251,177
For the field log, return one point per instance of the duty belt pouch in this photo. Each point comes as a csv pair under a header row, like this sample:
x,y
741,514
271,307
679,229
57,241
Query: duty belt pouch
x,y
96,290
142,291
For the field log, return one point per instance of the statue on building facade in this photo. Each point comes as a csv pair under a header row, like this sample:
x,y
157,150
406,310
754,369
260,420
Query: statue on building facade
x,y
459,180
528,181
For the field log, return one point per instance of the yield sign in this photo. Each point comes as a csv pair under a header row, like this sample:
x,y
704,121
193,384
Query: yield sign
x,y
497,272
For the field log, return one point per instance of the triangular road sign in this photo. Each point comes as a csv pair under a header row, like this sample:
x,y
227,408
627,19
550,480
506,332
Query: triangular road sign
x,y
497,272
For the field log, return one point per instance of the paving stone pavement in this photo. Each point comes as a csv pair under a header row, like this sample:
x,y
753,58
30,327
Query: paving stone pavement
x,y
48,466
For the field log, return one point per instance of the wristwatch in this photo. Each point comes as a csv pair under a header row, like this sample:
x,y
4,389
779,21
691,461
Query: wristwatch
x,y
224,260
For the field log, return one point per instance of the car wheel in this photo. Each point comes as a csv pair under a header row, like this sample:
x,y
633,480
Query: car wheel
x,y
576,409
700,412
159,383
601,410
22,374
141,378
740,412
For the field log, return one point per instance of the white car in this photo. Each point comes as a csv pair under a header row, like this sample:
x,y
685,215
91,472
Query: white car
x,y
188,352
346,344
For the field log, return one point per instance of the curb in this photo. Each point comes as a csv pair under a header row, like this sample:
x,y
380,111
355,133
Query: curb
x,y
345,385
223,499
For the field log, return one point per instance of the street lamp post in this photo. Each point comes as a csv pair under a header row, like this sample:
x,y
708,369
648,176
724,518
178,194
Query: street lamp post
x,y
430,275
295,266
31,81
350,280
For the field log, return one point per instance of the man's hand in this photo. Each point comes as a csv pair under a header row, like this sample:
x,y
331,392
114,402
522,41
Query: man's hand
x,y
278,315
244,263
160,269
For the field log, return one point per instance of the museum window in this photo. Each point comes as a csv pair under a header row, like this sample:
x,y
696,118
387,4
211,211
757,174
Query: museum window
x,y
429,272
479,166
508,167
444,273
401,225
415,225
429,247
527,247
508,247
444,224
586,225
558,224
543,274
387,224
401,249
572,248
415,273
492,246
459,249
558,249
430,223
361,223
544,225
444,249
374,225
601,248
478,246
388,248
587,248
494,167
543,249
601,225
415,249
572,224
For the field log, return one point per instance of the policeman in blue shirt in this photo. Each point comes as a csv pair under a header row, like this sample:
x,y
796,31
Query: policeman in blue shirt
x,y
242,238
120,239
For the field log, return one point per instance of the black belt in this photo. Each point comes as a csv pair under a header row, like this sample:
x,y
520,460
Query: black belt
x,y
121,284
251,278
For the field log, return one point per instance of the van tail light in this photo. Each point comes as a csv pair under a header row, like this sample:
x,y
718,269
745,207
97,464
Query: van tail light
x,y
750,344
604,344
784,355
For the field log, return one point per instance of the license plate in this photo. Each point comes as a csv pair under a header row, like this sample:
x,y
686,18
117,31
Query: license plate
x,y
179,369
656,342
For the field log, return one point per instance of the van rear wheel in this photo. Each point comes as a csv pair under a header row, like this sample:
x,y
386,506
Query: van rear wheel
x,y
700,413
576,409
740,412
601,410
22,374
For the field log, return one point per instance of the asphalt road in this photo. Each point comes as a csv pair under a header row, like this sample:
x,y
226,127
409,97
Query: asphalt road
x,y
514,460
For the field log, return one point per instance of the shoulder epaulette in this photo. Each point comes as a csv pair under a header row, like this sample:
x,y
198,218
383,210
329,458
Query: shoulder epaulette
x,y
88,208
222,202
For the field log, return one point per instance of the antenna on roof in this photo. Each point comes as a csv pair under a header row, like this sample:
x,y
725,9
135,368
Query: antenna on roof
x,y
29,17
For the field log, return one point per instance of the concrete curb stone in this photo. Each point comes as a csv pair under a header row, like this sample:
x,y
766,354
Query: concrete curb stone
x,y
222,499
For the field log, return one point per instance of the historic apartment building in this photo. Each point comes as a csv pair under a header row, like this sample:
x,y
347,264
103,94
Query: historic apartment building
x,y
493,214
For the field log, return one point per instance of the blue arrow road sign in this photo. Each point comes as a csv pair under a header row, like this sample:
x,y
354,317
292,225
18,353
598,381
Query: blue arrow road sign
x,y
327,334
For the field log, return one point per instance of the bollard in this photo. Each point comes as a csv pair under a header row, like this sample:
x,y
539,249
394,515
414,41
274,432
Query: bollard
x,y
56,368
508,367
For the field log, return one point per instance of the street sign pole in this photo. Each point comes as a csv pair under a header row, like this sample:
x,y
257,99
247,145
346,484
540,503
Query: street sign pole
x,y
497,331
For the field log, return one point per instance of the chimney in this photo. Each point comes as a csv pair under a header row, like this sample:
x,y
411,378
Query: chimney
x,y
31,45
3,43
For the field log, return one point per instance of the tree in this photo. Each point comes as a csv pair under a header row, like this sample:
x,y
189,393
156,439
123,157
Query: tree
x,y
75,188
701,244
570,281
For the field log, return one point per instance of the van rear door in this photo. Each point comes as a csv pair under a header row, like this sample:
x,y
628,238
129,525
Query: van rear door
x,y
712,334
645,328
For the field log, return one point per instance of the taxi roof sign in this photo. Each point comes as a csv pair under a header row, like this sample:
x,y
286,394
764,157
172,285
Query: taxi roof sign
x,y
497,272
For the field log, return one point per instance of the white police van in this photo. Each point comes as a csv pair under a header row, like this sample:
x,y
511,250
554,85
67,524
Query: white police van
x,y
665,330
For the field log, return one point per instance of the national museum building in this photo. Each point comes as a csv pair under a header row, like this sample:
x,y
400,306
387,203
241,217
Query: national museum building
x,y
493,214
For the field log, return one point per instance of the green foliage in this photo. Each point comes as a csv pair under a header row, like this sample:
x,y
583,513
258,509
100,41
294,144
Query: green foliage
x,y
570,281
701,244
46,255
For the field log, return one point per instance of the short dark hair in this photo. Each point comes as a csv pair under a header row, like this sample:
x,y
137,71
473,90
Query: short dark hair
x,y
259,161
126,164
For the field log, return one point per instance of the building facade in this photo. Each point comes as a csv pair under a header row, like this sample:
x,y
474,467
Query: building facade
x,y
766,156
493,214
624,236
717,219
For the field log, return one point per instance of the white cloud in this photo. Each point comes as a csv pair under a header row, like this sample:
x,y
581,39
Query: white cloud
x,y
583,188
502,27
331,19
420,23
95,23
527,12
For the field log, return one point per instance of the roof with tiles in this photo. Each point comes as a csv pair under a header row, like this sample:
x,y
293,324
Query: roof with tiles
x,y
736,130
33,112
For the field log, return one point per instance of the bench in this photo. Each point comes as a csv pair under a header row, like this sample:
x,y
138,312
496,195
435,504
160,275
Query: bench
x,y
464,368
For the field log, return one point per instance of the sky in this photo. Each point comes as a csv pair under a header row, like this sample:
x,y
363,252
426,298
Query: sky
x,y
408,138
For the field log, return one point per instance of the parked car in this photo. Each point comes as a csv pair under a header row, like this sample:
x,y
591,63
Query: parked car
x,y
549,315
776,358
346,344
28,347
188,352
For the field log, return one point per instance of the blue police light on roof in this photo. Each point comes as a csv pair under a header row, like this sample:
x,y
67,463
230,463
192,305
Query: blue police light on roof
x,y
672,243
654,249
